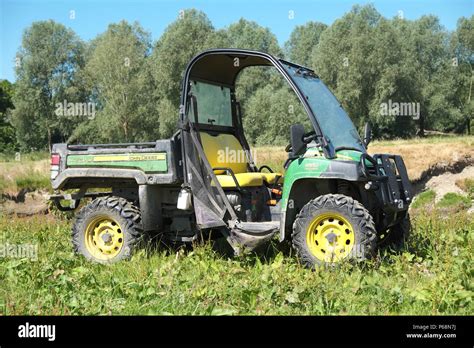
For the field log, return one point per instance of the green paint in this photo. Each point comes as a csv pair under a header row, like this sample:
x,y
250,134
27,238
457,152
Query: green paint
x,y
302,168
311,166
148,162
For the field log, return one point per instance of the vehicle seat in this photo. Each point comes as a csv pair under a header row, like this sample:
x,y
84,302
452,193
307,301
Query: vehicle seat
x,y
225,150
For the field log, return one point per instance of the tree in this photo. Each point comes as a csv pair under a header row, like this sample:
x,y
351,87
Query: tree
x,y
249,35
302,41
49,58
270,113
7,132
461,73
427,52
181,40
121,87
395,79
345,61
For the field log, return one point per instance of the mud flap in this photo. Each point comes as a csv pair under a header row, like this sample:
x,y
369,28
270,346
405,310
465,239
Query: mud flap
x,y
246,236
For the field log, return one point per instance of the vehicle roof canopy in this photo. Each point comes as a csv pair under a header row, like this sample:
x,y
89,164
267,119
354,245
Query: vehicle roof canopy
x,y
224,65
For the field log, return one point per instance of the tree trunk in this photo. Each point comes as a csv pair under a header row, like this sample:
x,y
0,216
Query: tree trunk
x,y
49,140
421,131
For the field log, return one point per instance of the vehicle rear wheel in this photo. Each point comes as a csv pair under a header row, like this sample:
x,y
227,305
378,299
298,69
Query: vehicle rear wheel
x,y
107,230
332,228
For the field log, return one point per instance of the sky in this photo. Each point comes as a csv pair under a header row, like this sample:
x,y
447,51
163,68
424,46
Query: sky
x,y
88,18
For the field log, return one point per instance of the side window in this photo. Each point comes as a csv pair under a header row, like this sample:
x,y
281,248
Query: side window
x,y
213,104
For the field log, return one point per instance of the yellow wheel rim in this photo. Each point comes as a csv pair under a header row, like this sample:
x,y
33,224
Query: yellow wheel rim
x,y
104,238
330,237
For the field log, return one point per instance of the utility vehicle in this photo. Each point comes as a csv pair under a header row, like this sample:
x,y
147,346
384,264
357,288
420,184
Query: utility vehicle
x,y
330,198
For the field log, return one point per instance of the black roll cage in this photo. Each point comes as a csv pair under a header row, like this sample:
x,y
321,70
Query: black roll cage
x,y
273,61
212,69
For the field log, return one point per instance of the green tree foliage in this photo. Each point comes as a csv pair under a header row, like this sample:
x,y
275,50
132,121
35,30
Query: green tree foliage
x,y
271,112
7,131
119,80
346,61
427,50
459,93
191,33
303,40
47,63
249,35
381,61
367,60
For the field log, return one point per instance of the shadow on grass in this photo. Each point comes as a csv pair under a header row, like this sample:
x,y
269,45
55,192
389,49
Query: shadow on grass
x,y
265,253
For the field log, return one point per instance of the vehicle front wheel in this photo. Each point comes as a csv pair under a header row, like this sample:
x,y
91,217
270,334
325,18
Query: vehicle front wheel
x,y
332,228
397,235
107,230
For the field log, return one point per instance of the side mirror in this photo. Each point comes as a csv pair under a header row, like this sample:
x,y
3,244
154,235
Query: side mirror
x,y
298,146
367,134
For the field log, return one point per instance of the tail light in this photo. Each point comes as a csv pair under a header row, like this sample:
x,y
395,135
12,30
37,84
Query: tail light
x,y
55,161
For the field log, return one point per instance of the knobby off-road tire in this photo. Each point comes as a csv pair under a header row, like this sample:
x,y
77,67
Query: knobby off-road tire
x,y
397,235
107,230
330,215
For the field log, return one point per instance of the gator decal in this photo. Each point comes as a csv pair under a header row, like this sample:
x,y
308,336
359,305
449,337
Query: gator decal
x,y
148,162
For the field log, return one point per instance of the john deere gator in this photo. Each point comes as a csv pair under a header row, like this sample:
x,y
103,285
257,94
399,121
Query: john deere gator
x,y
330,198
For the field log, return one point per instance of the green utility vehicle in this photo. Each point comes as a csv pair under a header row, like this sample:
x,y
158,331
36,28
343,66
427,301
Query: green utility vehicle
x,y
330,198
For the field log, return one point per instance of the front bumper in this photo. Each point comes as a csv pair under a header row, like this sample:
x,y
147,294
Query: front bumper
x,y
387,175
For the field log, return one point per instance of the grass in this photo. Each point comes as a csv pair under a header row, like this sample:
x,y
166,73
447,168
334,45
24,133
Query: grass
x,y
22,157
467,185
452,199
34,181
432,276
24,174
423,199
464,139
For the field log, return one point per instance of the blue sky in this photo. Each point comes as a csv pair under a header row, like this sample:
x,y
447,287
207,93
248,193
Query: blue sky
x,y
92,17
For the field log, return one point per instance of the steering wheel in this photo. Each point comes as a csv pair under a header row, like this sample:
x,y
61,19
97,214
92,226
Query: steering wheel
x,y
307,138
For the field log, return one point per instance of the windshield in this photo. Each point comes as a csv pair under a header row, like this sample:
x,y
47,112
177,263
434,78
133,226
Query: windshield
x,y
334,122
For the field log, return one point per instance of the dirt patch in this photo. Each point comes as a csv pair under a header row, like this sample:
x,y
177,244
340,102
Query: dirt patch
x,y
25,204
444,183
426,160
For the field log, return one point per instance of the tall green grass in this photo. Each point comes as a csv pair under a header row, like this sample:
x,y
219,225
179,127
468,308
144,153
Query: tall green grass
x,y
27,156
433,275
33,181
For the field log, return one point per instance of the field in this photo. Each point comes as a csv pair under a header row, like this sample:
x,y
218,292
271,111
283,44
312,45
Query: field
x,y
432,275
